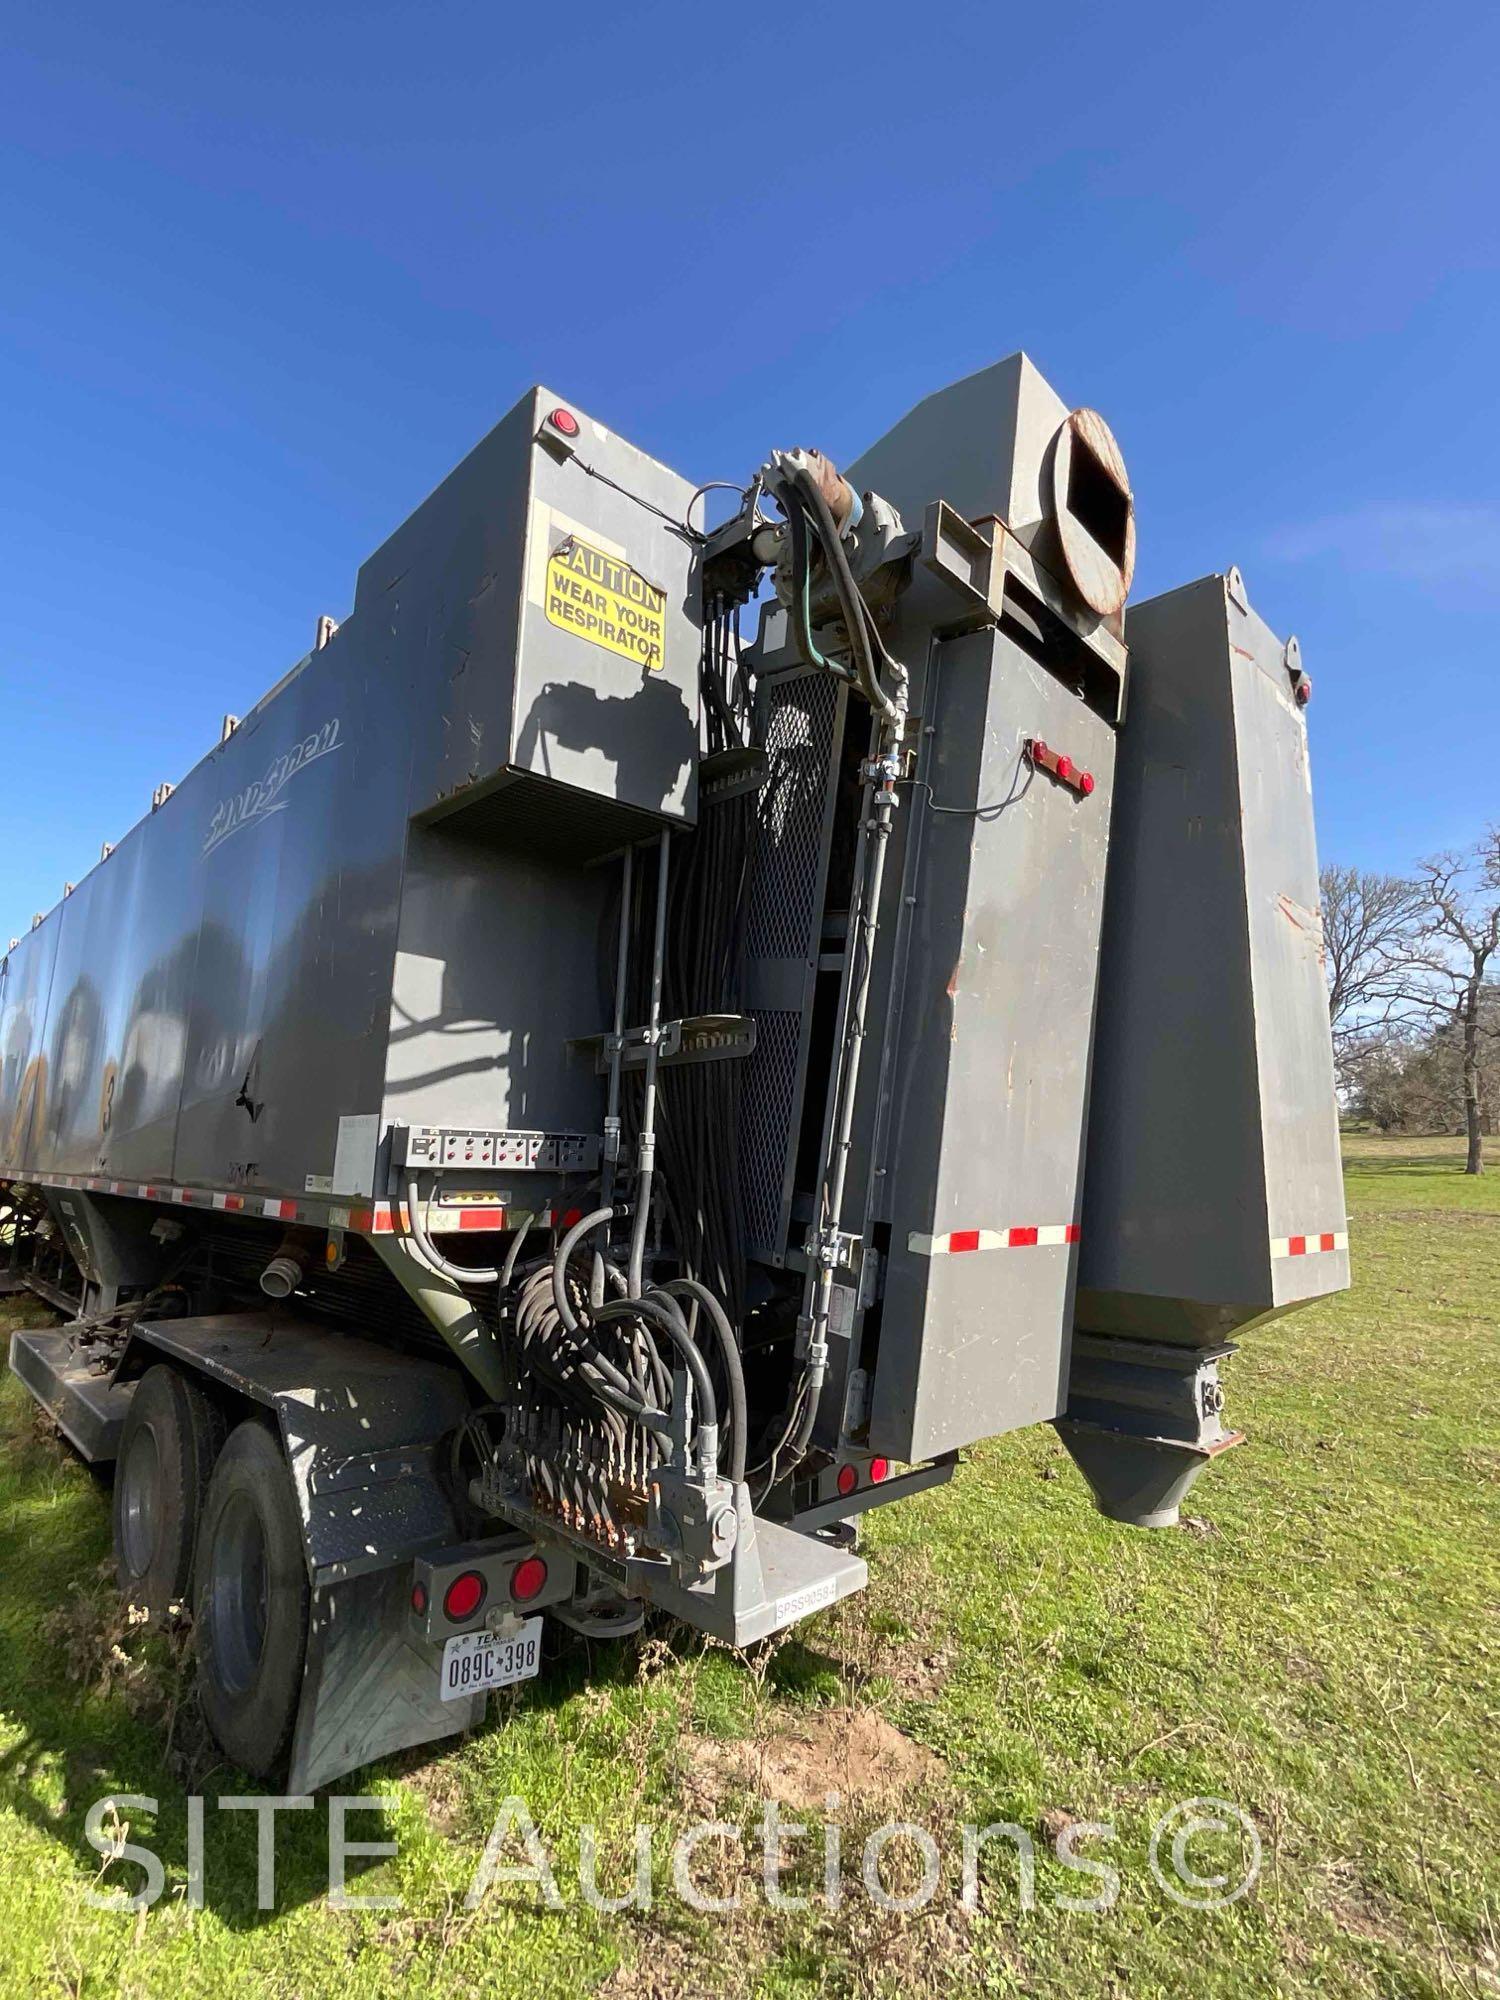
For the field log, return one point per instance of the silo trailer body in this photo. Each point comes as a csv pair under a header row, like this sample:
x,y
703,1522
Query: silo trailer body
x,y
589,1105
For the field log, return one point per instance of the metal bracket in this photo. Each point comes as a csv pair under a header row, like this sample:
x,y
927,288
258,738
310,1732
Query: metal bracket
x,y
699,1038
729,774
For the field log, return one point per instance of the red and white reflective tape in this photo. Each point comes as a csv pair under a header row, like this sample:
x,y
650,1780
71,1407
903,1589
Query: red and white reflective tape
x,y
1019,1236
1308,1246
277,1208
364,1219
383,1219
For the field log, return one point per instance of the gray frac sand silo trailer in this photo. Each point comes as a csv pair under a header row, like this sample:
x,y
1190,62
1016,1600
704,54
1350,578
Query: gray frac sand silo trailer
x,y
560,1111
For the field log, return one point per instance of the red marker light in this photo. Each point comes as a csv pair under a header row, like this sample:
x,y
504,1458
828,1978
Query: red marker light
x,y
1304,691
528,1579
419,1598
464,1595
564,421
879,1467
1060,767
848,1479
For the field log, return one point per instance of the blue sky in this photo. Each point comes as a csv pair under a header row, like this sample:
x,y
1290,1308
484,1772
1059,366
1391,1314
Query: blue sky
x,y
269,271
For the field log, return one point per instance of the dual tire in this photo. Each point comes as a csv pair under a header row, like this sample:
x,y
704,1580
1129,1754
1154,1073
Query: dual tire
x,y
173,1434
207,1514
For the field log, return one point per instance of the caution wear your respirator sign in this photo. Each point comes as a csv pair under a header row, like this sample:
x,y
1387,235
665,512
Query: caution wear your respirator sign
x,y
604,600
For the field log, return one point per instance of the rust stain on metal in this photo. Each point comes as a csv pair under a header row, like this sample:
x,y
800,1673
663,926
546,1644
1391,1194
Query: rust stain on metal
x,y
1101,569
1300,917
832,484
1100,439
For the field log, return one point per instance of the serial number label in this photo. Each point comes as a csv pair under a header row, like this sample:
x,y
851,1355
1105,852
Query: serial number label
x,y
802,1602
601,599
474,1661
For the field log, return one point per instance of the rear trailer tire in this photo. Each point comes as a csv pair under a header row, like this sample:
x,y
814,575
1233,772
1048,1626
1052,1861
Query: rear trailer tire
x,y
173,1433
250,1610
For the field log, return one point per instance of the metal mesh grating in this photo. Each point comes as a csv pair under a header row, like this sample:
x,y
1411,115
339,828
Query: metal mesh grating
x,y
799,741
782,923
766,1124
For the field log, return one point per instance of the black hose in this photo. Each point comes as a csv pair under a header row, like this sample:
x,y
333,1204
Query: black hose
x,y
689,1288
667,1320
565,1250
858,620
672,1325
458,1274
507,1269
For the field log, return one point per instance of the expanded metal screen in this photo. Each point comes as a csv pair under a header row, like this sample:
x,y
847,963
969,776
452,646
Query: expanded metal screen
x,y
782,934
766,1126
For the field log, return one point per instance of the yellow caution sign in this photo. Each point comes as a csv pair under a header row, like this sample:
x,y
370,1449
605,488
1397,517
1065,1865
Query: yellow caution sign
x,y
601,599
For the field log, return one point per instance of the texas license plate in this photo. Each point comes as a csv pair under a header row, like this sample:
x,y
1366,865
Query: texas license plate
x,y
474,1661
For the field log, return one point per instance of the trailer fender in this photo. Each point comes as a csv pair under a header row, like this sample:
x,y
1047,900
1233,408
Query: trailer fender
x,y
362,1427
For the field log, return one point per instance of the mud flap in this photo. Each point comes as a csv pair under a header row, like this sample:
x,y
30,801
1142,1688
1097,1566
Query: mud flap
x,y
370,1683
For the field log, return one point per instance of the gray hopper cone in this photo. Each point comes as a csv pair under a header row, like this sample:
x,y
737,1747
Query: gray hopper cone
x,y
1140,1481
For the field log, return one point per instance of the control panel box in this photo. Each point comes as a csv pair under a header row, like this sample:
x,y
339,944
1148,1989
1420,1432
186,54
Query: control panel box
x,y
430,1147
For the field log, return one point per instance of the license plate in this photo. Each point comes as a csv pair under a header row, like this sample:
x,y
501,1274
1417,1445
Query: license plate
x,y
474,1661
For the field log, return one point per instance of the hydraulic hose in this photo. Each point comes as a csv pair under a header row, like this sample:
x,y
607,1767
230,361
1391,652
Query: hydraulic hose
x,y
565,1250
646,1144
689,1288
796,516
876,809
856,615
658,1312
612,1102
670,1322
460,1274
507,1269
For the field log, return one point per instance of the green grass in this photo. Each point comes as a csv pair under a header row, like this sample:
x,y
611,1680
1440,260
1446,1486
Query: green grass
x,y
1319,1643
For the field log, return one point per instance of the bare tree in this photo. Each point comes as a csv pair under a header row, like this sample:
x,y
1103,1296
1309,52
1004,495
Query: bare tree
x,y
1407,1076
1460,933
1372,935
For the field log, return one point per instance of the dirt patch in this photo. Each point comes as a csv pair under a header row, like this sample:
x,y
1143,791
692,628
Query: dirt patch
x,y
1351,1905
853,1753
667,1970
1298,1668
893,1631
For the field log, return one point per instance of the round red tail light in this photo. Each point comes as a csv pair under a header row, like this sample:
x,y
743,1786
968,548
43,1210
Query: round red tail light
x,y
527,1579
464,1595
879,1467
564,421
848,1479
1086,783
419,1598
